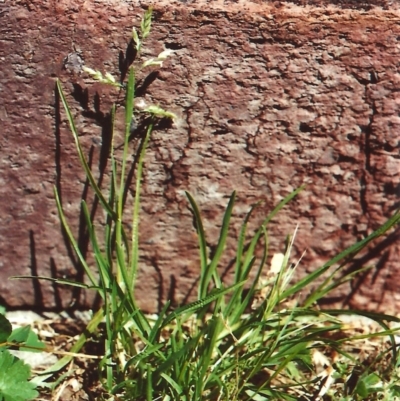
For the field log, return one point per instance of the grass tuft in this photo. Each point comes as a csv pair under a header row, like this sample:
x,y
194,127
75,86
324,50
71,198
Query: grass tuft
x,y
256,339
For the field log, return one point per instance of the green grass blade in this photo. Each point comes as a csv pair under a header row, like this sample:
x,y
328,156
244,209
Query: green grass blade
x,y
202,243
136,209
347,253
326,288
109,238
184,351
62,281
155,331
146,353
102,264
378,317
209,271
129,98
72,239
82,158
240,249
178,389
281,204
243,267
212,267
149,385
195,306
237,305
214,328
121,250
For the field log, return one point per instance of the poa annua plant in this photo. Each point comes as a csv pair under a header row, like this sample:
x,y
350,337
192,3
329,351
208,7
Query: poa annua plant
x,y
213,348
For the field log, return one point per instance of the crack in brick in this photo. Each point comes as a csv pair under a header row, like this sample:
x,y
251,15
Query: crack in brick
x,y
366,149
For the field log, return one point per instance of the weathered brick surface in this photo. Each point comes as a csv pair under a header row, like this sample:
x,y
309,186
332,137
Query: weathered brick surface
x,y
269,96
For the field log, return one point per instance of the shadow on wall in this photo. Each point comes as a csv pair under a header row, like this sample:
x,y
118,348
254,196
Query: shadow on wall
x,y
83,239
374,261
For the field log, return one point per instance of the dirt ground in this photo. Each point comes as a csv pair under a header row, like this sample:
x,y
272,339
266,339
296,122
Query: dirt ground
x,y
79,379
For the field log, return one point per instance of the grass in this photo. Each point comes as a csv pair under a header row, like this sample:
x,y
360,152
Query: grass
x,y
218,348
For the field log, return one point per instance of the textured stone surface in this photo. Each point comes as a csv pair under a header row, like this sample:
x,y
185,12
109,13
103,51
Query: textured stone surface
x,y
269,96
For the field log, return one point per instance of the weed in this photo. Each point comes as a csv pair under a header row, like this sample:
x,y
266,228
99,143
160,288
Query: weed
x,y
213,348
14,373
